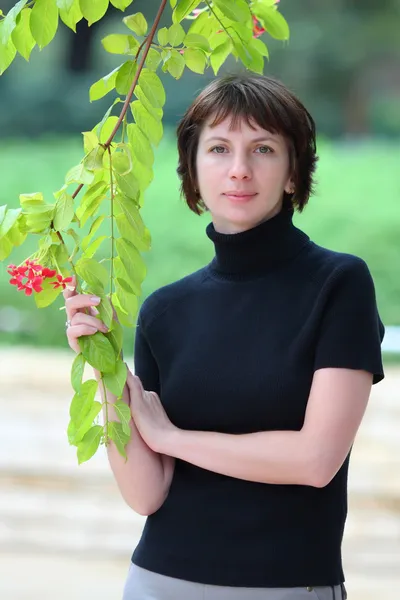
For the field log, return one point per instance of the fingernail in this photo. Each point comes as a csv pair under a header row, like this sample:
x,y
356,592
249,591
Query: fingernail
x,y
95,299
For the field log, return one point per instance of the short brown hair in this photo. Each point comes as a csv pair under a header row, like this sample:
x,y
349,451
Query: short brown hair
x,y
256,98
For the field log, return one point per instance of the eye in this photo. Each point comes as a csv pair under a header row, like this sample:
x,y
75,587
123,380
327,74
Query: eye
x,y
265,149
217,148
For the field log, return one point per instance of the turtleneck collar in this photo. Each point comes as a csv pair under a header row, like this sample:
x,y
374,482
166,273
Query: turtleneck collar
x,y
257,250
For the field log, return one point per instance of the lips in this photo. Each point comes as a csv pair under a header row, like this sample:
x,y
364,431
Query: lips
x,y
239,196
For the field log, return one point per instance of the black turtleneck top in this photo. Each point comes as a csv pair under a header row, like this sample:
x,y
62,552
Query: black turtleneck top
x,y
232,348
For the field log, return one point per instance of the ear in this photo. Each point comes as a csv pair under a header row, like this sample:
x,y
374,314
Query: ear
x,y
289,187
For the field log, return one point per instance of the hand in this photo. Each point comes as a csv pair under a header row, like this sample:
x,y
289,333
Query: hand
x,y
149,416
82,323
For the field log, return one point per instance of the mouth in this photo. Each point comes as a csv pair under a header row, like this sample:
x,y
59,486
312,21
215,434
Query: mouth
x,y
239,197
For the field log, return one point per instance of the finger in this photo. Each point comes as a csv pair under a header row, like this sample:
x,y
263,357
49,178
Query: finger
x,y
84,319
76,331
78,302
67,293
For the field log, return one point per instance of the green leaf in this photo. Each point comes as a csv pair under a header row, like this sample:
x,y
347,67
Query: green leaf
x,y
118,436
204,25
94,160
156,112
9,220
126,279
122,166
34,199
183,8
78,367
195,60
89,444
142,150
63,212
47,296
83,399
22,37
15,236
10,21
121,4
175,65
131,225
152,88
44,22
220,54
119,43
105,311
106,128
103,86
153,59
132,261
93,10
126,74
90,140
65,4
6,248
124,318
87,422
95,275
162,36
136,23
129,303
94,246
7,53
152,128
272,20
260,47
79,174
91,201
173,3
124,414
38,219
93,228
98,352
115,337
235,10
176,34
71,16
195,40
115,382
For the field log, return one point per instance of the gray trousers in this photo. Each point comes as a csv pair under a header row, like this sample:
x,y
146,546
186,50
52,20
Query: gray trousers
x,y
142,584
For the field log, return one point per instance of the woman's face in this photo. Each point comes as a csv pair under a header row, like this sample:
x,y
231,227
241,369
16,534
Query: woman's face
x,y
241,174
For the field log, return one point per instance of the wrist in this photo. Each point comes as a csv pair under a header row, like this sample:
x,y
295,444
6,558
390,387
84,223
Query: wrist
x,y
170,441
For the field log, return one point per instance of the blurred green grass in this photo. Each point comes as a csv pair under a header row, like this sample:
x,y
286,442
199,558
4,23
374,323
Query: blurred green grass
x,y
355,209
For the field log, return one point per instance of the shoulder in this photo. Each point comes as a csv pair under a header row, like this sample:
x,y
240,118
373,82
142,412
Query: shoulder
x,y
328,267
162,298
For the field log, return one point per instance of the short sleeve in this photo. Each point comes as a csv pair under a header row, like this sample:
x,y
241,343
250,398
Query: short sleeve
x,y
350,332
146,367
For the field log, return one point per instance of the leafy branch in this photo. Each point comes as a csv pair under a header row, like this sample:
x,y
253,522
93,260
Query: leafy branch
x,y
118,172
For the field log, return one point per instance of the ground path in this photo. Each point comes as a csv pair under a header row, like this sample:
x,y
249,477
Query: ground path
x,y
65,532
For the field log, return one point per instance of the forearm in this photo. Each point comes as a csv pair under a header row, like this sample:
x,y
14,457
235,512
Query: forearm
x,y
144,479
277,457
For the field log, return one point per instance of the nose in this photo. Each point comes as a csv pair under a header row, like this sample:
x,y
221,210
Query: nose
x,y
240,167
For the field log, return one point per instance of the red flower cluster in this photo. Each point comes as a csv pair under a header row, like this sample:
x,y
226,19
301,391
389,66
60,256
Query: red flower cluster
x,y
257,29
34,274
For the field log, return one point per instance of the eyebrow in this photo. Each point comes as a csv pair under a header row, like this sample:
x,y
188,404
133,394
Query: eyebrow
x,y
258,139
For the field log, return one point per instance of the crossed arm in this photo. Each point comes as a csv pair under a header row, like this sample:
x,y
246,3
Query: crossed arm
x,y
311,456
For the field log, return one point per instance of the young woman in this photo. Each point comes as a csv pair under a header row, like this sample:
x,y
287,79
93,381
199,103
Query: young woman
x,y
252,374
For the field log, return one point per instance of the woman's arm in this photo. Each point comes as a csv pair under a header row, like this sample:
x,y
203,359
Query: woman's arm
x,y
311,456
145,478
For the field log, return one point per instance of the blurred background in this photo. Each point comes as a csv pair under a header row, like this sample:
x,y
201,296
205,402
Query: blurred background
x,y
65,531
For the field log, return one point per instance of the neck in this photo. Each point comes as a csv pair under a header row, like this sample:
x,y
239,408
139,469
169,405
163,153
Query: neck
x,y
257,250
